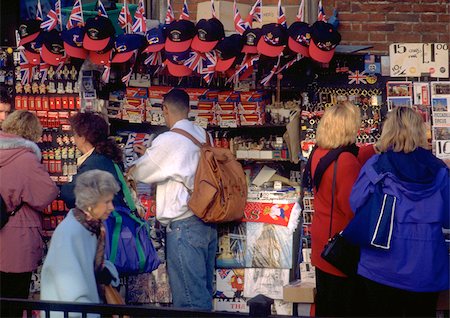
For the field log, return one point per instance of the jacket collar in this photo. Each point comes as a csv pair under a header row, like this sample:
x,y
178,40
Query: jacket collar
x,y
9,141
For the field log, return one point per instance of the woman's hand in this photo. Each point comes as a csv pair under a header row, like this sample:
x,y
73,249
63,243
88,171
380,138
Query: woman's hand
x,y
139,149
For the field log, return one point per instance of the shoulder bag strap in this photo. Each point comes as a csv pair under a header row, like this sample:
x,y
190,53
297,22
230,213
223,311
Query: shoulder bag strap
x,y
126,192
333,188
17,208
189,136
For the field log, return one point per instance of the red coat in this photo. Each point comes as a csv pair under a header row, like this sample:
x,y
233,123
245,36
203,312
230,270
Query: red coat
x,y
23,178
347,172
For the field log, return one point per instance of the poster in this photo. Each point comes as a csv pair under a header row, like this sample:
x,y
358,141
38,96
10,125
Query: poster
x,y
230,283
440,107
232,244
399,94
266,281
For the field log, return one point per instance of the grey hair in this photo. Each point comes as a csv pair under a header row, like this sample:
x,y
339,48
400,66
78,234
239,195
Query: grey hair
x,y
91,186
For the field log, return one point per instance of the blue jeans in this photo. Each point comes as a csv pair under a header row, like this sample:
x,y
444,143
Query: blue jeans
x,y
191,250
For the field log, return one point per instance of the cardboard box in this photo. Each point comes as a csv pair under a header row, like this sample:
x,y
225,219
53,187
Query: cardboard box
x,y
270,14
299,292
224,12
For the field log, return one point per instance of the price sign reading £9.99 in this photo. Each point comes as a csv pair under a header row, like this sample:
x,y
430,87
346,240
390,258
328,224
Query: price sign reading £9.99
x,y
418,59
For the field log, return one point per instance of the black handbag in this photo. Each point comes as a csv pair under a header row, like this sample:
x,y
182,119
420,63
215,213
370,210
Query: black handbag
x,y
5,214
339,252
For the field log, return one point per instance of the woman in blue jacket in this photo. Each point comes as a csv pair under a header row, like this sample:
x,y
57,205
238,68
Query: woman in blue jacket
x,y
99,152
405,193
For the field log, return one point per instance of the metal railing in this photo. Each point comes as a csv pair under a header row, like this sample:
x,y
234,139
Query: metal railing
x,y
7,304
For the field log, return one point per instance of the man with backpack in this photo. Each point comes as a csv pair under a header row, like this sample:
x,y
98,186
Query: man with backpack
x,y
171,162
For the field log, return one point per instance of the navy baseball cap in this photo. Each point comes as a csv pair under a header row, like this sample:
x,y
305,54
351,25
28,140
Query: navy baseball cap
x,y
155,39
104,56
73,42
299,37
324,39
251,38
125,45
52,51
99,30
175,63
33,50
29,31
179,35
209,33
227,50
273,39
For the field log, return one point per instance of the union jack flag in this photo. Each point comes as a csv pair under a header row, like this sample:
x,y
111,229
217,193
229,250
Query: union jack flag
x,y
140,25
255,13
126,78
26,69
39,15
213,10
195,61
321,13
209,66
43,71
301,12
297,58
125,20
239,24
101,9
266,80
153,59
248,62
76,16
106,73
170,17
53,18
281,17
185,12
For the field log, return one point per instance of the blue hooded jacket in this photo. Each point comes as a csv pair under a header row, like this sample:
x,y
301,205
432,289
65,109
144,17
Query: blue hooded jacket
x,y
413,255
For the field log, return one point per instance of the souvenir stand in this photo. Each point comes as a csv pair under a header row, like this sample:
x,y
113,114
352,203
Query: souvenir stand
x,y
261,93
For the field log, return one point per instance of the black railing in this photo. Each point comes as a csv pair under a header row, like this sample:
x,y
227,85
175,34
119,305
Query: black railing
x,y
8,304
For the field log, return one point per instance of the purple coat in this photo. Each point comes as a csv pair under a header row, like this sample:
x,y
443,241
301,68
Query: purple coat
x,y
23,178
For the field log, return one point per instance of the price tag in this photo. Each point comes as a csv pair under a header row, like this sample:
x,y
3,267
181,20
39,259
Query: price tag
x,y
201,121
134,117
230,123
415,59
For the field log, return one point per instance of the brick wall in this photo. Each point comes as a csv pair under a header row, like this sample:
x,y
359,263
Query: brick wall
x,y
377,23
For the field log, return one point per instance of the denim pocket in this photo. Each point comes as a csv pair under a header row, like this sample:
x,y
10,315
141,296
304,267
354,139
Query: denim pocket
x,y
198,235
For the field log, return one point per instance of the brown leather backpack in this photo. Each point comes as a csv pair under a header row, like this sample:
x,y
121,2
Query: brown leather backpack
x,y
220,186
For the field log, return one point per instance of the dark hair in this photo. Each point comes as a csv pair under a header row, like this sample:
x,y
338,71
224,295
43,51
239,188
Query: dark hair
x,y
177,99
5,97
95,129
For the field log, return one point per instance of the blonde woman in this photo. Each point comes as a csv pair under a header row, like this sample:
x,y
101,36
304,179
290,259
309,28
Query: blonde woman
x,y
336,136
405,264
24,185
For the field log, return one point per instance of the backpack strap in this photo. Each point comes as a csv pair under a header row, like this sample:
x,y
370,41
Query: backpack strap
x,y
126,192
192,138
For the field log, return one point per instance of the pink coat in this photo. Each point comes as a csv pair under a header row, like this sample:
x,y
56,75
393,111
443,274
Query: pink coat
x,y
23,178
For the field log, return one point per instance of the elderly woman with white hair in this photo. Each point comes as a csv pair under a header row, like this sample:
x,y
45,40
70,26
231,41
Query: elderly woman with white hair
x,y
75,269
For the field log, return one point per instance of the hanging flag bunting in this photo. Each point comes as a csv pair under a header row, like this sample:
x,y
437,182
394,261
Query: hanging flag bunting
x,y
239,24
281,17
301,12
106,73
39,15
53,18
195,61
125,20
255,13
266,80
101,9
140,24
43,71
209,66
76,16
126,78
213,10
321,13
297,58
153,59
170,16
248,62
185,12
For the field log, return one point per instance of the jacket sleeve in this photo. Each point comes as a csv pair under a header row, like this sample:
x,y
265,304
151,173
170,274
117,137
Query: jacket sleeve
x,y
348,170
67,190
39,190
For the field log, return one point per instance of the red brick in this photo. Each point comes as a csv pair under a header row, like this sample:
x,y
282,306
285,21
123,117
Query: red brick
x,y
403,17
377,17
429,28
430,38
380,47
345,26
444,38
444,18
343,6
354,36
428,8
404,27
357,26
377,36
379,7
403,37
429,17
378,27
356,7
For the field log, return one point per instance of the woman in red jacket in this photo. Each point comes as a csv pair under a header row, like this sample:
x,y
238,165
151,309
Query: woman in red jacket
x,y
336,136
24,183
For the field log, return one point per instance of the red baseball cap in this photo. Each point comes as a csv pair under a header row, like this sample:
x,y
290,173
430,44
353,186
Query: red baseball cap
x,y
209,33
102,57
52,51
179,35
273,39
324,39
175,64
28,31
99,31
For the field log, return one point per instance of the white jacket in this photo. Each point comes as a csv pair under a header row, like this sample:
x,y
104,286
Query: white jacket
x,y
171,163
